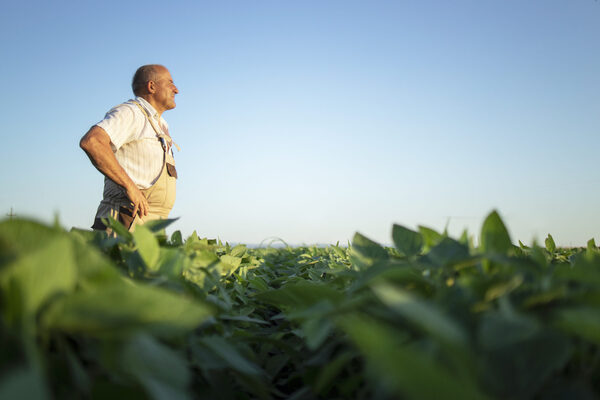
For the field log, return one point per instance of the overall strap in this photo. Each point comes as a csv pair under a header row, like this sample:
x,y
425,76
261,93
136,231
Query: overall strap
x,y
166,140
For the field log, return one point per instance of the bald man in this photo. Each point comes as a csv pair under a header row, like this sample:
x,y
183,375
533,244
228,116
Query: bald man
x,y
132,148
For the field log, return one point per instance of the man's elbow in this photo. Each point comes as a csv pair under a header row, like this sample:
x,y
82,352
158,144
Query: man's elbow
x,y
84,143
90,140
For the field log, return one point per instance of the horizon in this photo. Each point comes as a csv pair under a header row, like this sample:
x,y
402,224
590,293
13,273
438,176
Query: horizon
x,y
312,121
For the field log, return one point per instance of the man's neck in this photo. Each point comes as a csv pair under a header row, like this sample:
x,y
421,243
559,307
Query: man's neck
x,y
153,104
150,100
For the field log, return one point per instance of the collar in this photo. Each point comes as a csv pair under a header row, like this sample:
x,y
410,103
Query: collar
x,y
149,109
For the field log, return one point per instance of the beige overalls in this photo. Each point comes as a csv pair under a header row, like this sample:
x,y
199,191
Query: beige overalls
x,y
160,196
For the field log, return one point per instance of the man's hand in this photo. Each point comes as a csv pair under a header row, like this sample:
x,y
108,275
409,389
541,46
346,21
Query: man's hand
x,y
96,144
140,204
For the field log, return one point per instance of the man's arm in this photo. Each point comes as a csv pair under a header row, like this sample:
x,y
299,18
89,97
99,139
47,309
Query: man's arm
x,y
96,144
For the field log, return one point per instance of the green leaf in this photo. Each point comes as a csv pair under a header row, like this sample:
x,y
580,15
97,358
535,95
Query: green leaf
x,y
193,242
494,236
227,353
243,318
430,237
447,252
238,251
421,314
157,225
29,281
408,242
550,245
23,384
162,372
563,388
404,276
80,379
20,237
258,283
123,309
496,331
232,263
517,350
205,259
366,252
316,331
94,269
300,295
503,288
147,246
591,245
465,239
112,389
406,371
171,262
339,251
276,363
545,298
331,370
118,228
176,239
585,271
581,321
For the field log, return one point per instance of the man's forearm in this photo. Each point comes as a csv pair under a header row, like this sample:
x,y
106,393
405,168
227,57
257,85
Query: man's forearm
x,y
96,144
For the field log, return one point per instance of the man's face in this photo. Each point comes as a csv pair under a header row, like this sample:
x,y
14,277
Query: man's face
x,y
165,90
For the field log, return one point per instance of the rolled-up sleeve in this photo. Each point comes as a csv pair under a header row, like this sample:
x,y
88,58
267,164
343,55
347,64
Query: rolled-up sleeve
x,y
122,125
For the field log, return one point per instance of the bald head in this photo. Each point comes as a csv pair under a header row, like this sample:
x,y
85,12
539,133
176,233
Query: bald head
x,y
143,75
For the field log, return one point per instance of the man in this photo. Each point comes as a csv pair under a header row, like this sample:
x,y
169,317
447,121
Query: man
x,y
132,148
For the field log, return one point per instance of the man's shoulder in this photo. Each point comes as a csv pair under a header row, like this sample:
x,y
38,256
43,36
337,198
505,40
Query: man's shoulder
x,y
123,123
121,116
128,105
127,109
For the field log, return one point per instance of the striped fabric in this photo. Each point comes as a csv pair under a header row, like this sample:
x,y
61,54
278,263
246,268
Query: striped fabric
x,y
135,144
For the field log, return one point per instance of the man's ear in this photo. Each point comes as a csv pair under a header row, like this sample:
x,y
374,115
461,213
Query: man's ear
x,y
150,86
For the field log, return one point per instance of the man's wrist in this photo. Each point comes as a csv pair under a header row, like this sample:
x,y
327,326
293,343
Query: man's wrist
x,y
130,187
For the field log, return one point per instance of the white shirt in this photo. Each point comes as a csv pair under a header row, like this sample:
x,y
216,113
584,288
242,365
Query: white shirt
x,y
134,141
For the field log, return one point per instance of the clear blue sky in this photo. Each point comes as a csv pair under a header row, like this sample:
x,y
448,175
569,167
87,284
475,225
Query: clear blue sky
x,y
310,120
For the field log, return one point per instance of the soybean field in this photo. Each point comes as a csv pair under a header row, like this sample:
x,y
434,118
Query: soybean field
x,y
145,315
